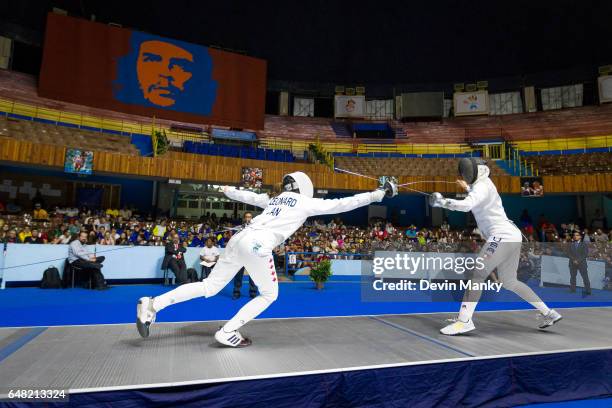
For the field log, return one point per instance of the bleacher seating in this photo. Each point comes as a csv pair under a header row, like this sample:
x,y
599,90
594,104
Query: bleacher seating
x,y
244,152
38,132
568,164
548,125
21,87
294,127
400,166
574,122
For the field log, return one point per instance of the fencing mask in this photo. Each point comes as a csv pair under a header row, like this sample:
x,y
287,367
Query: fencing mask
x,y
298,182
472,168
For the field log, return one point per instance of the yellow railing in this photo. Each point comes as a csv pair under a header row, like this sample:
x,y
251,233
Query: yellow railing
x,y
348,147
567,143
83,119
75,118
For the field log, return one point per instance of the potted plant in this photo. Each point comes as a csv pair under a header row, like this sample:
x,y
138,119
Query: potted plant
x,y
321,273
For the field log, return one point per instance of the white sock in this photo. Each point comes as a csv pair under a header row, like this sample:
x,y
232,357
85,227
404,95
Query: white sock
x,y
541,306
466,311
528,295
183,293
248,312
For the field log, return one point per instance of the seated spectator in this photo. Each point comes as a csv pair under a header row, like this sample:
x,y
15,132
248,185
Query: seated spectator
x,y
175,259
133,237
600,236
182,231
25,233
160,229
35,238
411,232
209,255
125,213
586,237
11,237
156,241
39,213
79,256
101,232
63,238
122,240
198,241
107,239
189,239
222,239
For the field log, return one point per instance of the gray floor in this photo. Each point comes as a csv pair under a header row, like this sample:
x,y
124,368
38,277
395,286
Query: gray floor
x,y
114,356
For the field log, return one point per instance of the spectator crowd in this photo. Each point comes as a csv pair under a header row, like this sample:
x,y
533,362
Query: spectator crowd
x,y
313,241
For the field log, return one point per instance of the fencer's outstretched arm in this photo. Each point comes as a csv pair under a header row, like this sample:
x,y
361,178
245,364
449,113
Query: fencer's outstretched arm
x,y
339,205
476,194
247,197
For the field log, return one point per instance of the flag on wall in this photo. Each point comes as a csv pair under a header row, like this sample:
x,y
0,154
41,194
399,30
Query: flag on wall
x,y
349,106
471,103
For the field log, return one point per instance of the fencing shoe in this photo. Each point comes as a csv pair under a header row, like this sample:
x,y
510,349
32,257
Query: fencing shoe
x,y
232,339
145,315
458,327
547,320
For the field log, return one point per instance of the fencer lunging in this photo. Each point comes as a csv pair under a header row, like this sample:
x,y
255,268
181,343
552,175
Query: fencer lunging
x,y
252,248
502,248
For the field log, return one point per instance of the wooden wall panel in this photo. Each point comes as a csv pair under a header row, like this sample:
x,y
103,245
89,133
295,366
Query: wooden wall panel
x,y
193,167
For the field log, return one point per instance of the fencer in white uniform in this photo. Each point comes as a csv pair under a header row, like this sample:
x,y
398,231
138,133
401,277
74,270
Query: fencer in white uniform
x,y
252,248
502,249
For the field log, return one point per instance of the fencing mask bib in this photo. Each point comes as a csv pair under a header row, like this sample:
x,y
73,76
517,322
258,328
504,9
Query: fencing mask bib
x,y
470,167
298,182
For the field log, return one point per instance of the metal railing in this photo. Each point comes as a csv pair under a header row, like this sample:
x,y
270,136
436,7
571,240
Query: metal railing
x,y
360,147
568,143
520,165
89,122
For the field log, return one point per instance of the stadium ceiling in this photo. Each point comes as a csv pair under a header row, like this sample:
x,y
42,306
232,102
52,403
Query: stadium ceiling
x,y
366,41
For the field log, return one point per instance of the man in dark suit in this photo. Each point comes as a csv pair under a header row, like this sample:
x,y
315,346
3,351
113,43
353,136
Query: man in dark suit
x,y
578,252
175,259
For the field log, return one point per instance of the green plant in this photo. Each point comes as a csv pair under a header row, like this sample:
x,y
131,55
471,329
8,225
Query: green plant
x,y
318,153
321,272
160,144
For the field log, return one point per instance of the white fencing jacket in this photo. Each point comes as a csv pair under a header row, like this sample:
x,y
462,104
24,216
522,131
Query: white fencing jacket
x,y
484,202
285,213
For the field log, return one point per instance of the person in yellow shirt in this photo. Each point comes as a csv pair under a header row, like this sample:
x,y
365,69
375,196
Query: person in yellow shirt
x,y
112,212
40,213
24,234
160,229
